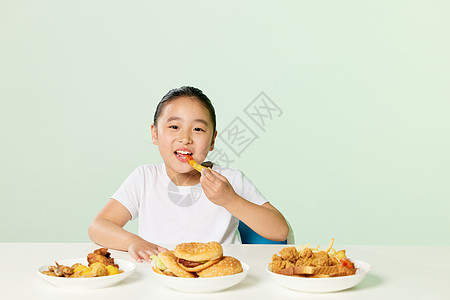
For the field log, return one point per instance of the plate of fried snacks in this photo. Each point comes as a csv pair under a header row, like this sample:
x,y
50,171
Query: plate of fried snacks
x,y
316,271
97,270
198,268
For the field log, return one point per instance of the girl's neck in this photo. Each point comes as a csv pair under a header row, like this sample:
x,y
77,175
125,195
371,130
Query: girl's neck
x,y
185,179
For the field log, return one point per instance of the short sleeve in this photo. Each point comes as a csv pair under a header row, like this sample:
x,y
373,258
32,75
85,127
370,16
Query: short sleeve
x,y
130,192
247,190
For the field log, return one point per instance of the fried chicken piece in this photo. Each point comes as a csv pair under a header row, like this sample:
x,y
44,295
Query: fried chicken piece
x,y
321,259
60,270
290,254
303,262
101,255
49,273
278,263
306,253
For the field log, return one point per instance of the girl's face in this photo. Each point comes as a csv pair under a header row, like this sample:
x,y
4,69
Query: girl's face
x,y
183,127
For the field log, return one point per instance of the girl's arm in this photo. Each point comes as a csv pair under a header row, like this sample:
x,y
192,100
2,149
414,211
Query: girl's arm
x,y
264,219
107,230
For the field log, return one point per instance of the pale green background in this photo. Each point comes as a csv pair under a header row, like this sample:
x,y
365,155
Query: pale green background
x,y
360,153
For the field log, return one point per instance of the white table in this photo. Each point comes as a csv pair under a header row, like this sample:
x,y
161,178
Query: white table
x,y
397,273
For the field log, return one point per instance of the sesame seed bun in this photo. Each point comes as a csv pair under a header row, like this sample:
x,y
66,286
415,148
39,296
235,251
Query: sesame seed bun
x,y
194,257
170,261
199,251
227,266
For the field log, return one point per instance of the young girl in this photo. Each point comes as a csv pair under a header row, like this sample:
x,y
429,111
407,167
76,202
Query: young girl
x,y
174,202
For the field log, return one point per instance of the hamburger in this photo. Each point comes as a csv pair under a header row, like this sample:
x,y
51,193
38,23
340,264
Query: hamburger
x,y
226,266
166,264
191,260
195,257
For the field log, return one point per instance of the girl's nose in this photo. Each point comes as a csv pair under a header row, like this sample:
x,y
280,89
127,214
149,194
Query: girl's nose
x,y
185,138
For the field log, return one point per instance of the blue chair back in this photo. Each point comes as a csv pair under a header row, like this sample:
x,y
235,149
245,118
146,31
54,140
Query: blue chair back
x,y
248,236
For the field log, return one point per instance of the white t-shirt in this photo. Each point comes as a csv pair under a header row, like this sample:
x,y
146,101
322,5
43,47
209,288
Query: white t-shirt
x,y
171,214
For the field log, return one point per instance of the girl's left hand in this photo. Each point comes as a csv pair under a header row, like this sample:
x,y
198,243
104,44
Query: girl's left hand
x,y
216,187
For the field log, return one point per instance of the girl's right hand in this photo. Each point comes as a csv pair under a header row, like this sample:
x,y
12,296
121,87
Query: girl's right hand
x,y
139,249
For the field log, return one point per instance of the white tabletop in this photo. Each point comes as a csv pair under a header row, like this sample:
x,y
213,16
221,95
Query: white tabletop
x,y
397,273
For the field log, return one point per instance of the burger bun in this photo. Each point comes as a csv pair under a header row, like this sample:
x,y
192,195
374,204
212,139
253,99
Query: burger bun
x,y
226,266
170,261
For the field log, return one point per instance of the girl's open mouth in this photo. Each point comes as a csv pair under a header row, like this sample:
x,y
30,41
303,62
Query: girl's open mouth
x,y
181,155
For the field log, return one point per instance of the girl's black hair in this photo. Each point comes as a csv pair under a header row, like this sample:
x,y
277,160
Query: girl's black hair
x,y
186,91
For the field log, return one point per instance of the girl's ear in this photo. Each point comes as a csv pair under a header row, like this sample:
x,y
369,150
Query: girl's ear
x,y
154,134
211,148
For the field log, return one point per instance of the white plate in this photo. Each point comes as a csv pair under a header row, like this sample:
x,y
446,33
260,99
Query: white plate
x,y
202,285
322,285
126,266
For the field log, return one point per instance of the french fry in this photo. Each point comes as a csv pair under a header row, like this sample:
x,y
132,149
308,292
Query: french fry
x,y
330,245
194,164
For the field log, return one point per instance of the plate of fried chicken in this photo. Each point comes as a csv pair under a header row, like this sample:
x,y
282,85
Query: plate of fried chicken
x,y
97,270
316,271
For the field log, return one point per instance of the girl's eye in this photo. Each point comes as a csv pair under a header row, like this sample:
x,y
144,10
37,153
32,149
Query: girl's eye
x,y
173,126
198,129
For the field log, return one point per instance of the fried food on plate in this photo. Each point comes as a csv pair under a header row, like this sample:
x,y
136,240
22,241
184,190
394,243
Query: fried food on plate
x,y
100,264
101,255
315,263
111,270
